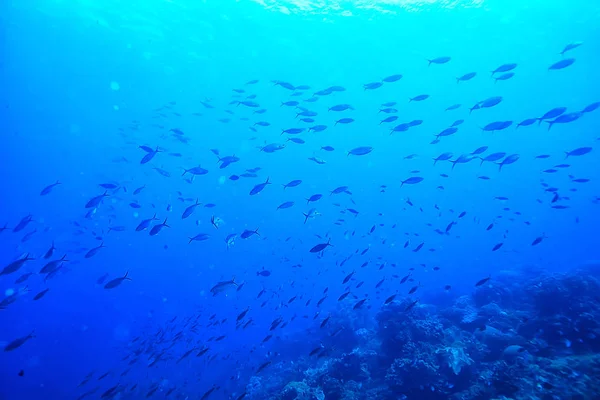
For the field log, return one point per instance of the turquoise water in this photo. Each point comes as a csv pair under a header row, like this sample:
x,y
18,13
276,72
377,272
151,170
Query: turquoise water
x,y
85,83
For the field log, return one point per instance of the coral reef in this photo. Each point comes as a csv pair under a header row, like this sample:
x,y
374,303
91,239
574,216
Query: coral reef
x,y
534,339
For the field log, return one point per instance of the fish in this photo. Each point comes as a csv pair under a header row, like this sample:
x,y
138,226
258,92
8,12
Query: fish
x,y
199,237
344,121
223,286
570,47
412,180
420,97
40,294
248,233
578,152
320,247
341,107
553,113
293,183
439,60
483,281
93,251
45,191
16,265
372,85
15,344
259,187
392,78
285,205
564,63
466,77
143,225
190,210
96,200
158,227
564,119
117,281
360,151
504,68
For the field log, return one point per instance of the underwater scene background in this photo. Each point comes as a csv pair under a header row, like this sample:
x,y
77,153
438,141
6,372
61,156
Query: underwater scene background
x,y
300,199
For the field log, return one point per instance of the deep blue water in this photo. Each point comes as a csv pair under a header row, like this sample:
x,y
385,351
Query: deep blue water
x,y
85,84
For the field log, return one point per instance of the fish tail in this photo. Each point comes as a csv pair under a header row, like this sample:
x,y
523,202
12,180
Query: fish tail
x,y
126,276
566,155
165,223
305,217
457,80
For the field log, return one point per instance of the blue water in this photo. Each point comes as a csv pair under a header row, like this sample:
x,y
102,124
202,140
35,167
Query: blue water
x,y
85,83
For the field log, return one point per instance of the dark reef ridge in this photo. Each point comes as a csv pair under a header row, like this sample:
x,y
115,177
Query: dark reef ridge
x,y
525,336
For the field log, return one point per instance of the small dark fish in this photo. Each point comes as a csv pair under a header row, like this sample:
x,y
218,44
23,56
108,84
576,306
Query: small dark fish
x,y
92,252
504,68
360,151
439,60
320,247
504,76
292,183
158,227
564,119
420,97
95,201
48,188
591,107
359,304
392,78
578,152
483,281
15,344
248,233
527,122
259,188
538,240
412,180
344,121
189,210
314,197
411,305
117,281
15,265
287,204
466,77
263,366
562,64
389,119
40,294
570,46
